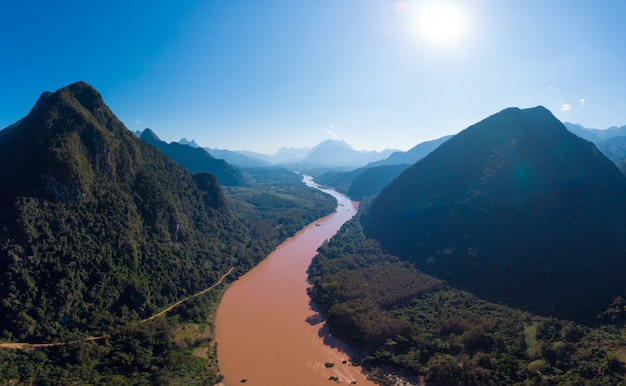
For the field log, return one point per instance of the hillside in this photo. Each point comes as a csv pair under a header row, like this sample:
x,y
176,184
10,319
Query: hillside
x,y
196,160
595,135
515,209
96,223
371,181
411,328
412,155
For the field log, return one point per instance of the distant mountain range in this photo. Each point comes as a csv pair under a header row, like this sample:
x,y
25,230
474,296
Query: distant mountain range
x,y
595,135
329,154
370,179
516,209
611,142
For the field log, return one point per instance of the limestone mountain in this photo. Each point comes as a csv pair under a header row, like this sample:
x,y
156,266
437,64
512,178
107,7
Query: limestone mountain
x,y
185,141
334,153
516,209
196,160
95,224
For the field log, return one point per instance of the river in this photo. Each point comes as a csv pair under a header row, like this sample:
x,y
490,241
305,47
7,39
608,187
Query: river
x,y
267,334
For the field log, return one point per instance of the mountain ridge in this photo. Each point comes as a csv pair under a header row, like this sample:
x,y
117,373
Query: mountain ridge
x,y
196,159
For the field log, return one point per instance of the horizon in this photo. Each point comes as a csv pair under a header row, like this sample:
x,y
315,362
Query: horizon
x,y
377,74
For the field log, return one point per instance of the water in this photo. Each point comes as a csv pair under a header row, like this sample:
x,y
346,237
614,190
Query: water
x,y
266,331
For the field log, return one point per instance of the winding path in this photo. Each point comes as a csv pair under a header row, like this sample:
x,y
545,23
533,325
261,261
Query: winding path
x,y
24,345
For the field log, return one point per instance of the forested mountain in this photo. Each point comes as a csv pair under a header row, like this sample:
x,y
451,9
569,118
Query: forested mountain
x,y
520,225
412,155
371,181
99,230
412,328
516,209
95,221
196,160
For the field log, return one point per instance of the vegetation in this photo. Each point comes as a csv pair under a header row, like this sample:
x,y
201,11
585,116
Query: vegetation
x,y
274,206
410,324
369,183
196,160
99,230
515,209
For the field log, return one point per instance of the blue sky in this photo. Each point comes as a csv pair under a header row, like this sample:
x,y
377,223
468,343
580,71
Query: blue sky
x,y
262,74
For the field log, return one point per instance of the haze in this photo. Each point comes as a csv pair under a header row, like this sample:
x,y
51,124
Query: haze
x,y
262,75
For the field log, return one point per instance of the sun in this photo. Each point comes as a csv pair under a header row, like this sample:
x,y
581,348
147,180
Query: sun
x,y
440,22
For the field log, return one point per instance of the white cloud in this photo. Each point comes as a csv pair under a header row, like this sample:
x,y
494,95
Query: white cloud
x,y
566,107
137,122
582,102
329,130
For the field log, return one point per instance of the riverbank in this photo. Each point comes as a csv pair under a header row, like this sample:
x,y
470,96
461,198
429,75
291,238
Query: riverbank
x,y
266,330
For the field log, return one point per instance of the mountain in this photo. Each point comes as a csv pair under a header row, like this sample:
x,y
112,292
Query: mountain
x,y
612,131
371,181
582,132
287,155
196,160
329,154
238,158
185,141
412,155
515,209
97,226
284,155
595,135
614,148
338,154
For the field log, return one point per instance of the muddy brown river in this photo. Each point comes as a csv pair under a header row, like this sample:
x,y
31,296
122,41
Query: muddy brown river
x,y
266,331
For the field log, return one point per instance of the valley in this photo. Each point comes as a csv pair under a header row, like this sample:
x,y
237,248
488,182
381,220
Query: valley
x,y
495,256
266,329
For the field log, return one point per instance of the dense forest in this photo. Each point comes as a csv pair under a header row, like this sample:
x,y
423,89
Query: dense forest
x,y
196,160
100,230
495,260
410,325
517,209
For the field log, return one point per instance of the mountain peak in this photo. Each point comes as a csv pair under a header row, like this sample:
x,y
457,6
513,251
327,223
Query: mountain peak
x,y
80,193
338,143
68,138
514,207
87,96
149,136
185,141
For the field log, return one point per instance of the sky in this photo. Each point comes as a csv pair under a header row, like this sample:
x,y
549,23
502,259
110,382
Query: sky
x,y
259,75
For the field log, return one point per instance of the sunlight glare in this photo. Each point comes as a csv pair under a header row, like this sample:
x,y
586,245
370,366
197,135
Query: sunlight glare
x,y
441,23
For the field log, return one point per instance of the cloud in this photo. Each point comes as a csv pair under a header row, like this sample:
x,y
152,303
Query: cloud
x,y
566,107
137,122
582,102
329,130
